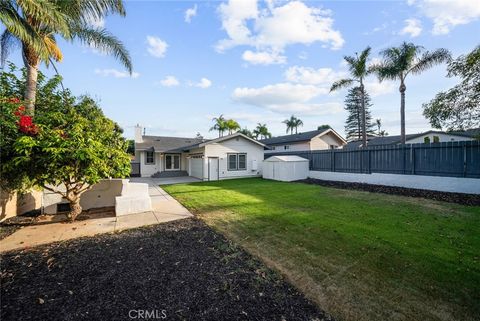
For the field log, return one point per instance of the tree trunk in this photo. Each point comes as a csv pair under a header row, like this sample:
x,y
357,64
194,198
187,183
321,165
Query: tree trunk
x,y
31,61
75,208
364,117
402,112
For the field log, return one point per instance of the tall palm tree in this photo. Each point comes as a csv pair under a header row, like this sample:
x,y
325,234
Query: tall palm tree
x,y
262,131
232,126
408,58
358,72
36,24
293,123
220,125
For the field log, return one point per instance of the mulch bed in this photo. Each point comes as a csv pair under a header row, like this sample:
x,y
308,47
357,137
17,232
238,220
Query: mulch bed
x,y
460,198
181,270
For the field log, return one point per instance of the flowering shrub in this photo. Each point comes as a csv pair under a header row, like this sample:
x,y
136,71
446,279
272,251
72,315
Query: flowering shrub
x,y
25,122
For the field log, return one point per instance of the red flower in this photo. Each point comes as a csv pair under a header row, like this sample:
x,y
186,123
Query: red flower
x,y
14,100
26,125
20,111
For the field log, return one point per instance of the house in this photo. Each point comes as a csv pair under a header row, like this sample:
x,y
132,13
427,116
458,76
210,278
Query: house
x,y
231,156
430,136
325,138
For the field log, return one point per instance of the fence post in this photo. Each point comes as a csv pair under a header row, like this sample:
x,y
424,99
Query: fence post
x,y
333,160
413,159
369,169
464,159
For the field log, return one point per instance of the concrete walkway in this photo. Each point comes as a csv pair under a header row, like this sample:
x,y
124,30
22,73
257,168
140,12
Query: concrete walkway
x,y
165,209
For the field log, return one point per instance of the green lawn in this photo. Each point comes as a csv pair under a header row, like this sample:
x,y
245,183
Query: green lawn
x,y
359,255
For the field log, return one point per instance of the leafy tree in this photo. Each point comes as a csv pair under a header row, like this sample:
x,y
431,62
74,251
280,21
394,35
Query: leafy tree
x,y
232,126
324,126
408,58
380,131
261,131
36,25
247,132
131,147
220,125
354,105
293,123
459,107
358,72
66,148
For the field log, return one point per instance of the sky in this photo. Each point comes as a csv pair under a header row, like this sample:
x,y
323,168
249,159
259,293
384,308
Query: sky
x,y
261,61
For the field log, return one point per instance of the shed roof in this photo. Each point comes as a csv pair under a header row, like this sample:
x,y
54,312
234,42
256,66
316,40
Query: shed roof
x,y
286,158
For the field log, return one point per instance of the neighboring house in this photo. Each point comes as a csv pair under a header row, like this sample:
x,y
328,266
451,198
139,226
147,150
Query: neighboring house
x,y
313,140
430,136
231,156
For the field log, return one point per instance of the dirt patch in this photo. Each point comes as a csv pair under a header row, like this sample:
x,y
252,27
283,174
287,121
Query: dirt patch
x,y
183,270
459,198
7,230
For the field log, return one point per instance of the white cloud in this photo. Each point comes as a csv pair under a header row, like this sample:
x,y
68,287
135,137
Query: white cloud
x,y
169,81
156,46
190,13
116,73
263,58
287,97
446,14
375,88
306,75
203,83
273,28
413,27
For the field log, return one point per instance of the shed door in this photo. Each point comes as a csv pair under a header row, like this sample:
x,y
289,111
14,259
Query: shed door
x,y
196,167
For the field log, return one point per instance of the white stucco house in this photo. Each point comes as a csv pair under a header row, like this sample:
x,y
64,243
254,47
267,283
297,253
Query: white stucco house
x,y
231,156
321,139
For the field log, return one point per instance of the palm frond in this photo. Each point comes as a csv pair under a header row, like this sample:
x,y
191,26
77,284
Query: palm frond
x,y
104,41
430,59
46,14
20,28
341,84
83,10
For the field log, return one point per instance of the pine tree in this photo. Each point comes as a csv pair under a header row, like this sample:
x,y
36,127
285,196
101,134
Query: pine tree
x,y
353,105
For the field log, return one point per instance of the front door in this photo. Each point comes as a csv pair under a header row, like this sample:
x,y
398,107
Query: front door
x,y
213,168
172,162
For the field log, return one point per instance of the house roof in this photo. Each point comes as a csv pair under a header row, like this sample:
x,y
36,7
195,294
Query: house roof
x,y
286,158
300,137
391,140
177,144
165,143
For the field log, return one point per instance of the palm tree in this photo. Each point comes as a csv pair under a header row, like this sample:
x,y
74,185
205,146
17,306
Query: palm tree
x,y
36,24
262,131
408,58
247,132
232,126
358,72
293,123
220,125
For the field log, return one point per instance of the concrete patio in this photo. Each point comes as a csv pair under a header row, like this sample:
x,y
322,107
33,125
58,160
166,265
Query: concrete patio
x,y
165,180
165,209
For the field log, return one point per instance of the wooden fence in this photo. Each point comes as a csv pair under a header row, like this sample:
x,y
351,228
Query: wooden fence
x,y
453,159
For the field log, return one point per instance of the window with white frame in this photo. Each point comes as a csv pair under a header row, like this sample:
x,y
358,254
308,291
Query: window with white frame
x,y
237,162
286,147
150,158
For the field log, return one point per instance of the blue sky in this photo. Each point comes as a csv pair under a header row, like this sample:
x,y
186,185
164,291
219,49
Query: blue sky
x,y
261,61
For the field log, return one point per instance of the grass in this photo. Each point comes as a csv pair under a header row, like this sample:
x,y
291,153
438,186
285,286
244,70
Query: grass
x,y
359,255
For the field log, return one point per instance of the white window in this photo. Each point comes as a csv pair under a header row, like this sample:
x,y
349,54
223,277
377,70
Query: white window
x,y
150,158
237,162
286,147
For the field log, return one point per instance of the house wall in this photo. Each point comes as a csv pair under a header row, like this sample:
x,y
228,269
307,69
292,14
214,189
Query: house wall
x,y
441,136
234,145
147,170
324,142
300,146
12,204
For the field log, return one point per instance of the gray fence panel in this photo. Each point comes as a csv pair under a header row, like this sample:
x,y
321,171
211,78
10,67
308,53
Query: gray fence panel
x,y
453,159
